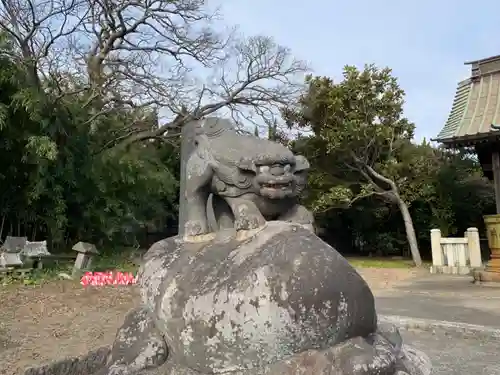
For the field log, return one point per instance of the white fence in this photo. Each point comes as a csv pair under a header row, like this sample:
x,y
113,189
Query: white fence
x,y
455,255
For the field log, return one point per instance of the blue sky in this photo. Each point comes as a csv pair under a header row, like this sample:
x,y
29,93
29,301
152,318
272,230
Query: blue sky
x,y
424,42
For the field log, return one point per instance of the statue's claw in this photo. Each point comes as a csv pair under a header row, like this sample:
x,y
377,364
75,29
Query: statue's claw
x,y
300,215
195,228
138,346
248,219
200,238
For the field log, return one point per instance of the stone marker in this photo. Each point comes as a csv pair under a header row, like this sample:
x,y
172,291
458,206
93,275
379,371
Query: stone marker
x,y
271,299
34,252
10,260
10,251
14,244
35,249
86,252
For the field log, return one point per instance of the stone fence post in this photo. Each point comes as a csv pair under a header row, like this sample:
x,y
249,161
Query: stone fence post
x,y
437,252
474,248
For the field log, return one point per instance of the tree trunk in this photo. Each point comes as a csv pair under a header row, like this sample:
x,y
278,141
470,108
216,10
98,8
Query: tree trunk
x,y
405,212
1,228
410,231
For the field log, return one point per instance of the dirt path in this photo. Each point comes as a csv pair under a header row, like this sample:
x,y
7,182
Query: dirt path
x,y
388,278
56,320
62,319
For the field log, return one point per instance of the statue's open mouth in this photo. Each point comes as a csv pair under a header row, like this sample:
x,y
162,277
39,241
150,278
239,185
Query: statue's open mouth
x,y
277,186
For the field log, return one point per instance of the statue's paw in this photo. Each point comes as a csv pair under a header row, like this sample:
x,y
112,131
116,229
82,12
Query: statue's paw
x,y
249,221
195,228
138,345
413,361
391,333
300,215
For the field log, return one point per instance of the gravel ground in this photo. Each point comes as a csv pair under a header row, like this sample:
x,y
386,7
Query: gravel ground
x,y
454,356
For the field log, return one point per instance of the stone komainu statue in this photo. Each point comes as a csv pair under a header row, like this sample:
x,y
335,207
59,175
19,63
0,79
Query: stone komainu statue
x,y
274,301
251,180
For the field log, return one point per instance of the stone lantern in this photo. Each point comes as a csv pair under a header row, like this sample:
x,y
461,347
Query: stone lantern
x,y
86,252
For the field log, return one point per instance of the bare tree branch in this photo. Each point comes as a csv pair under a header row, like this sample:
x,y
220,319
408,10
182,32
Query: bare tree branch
x,y
151,55
382,186
384,194
251,85
39,28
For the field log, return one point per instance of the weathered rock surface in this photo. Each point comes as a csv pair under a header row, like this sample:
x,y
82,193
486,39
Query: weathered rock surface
x,y
356,356
279,302
227,306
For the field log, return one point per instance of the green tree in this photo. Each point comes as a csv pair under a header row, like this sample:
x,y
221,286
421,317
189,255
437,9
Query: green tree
x,y
359,142
458,196
60,181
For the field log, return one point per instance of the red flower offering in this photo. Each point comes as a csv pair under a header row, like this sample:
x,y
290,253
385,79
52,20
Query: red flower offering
x,y
108,278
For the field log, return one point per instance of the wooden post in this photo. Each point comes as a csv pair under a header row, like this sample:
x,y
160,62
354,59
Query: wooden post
x,y
495,163
437,252
492,270
494,263
474,248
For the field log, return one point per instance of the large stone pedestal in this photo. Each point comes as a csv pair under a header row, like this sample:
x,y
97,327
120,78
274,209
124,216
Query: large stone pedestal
x,y
246,304
492,269
278,302
487,275
491,273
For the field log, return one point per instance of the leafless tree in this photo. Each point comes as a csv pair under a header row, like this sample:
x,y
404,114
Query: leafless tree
x,y
160,55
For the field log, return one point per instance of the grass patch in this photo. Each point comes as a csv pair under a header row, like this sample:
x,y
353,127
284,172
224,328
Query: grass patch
x,y
120,262
117,260
380,263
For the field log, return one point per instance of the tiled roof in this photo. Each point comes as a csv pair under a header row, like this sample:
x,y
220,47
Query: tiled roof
x,y
458,110
476,105
482,61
